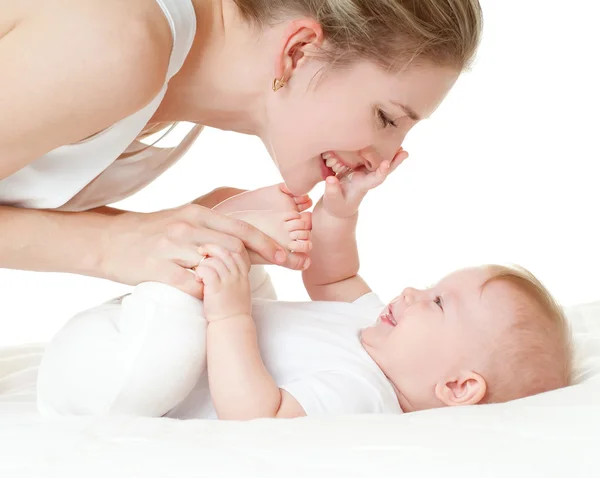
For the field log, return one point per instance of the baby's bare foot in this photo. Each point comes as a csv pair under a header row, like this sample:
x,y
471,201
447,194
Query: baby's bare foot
x,y
272,198
290,229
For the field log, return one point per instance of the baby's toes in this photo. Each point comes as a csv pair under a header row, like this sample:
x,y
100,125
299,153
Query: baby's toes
x,y
303,202
301,234
297,224
303,246
307,218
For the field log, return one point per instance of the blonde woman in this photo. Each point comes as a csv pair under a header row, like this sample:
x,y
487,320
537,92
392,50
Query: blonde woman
x,y
328,85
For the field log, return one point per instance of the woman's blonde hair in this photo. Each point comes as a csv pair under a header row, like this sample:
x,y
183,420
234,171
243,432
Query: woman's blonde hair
x,y
392,33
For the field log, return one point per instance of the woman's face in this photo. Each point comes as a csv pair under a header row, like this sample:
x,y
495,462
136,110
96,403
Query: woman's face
x,y
356,117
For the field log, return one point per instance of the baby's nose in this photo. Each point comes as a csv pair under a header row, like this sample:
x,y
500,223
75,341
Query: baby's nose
x,y
409,295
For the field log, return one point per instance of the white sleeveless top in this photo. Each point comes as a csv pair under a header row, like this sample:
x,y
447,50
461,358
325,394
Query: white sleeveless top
x,y
91,173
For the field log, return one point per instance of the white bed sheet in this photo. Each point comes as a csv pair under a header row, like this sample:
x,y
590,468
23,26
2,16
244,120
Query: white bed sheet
x,y
551,435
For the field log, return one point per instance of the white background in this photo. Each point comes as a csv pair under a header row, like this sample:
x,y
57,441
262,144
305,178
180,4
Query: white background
x,y
507,170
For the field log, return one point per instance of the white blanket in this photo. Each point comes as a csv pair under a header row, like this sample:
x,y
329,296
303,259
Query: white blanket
x,y
554,434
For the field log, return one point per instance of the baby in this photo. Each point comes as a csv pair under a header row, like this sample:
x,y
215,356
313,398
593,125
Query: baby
x,y
481,335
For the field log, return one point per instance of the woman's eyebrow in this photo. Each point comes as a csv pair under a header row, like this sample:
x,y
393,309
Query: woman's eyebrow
x,y
408,110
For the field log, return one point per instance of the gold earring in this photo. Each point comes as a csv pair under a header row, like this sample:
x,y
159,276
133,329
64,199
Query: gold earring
x,y
278,83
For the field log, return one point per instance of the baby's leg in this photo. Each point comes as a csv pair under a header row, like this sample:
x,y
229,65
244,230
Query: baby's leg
x,y
140,356
217,196
271,198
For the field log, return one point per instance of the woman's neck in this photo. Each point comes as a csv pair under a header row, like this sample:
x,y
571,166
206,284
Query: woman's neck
x,y
226,75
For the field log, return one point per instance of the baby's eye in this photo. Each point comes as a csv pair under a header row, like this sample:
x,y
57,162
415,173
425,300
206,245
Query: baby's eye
x,y
438,302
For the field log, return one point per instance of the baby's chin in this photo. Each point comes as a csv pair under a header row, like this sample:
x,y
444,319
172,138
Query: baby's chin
x,y
361,337
370,337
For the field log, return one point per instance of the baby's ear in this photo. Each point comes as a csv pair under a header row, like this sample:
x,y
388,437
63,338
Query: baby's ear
x,y
467,389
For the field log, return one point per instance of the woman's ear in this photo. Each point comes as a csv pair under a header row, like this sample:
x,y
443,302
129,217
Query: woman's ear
x,y
468,388
301,38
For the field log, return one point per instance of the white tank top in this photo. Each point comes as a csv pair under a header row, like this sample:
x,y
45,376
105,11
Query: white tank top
x,y
91,173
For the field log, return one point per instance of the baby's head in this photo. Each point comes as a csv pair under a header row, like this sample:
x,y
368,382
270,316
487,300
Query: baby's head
x,y
482,335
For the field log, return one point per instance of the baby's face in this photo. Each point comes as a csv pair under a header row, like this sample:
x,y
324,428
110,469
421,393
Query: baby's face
x,y
427,337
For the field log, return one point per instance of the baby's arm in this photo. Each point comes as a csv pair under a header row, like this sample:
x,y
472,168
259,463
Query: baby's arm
x,y
333,274
139,356
241,387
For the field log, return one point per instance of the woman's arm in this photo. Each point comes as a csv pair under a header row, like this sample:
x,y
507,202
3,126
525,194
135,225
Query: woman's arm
x,y
50,241
130,248
61,85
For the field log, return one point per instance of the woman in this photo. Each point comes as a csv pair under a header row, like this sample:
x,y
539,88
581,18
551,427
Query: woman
x,y
323,83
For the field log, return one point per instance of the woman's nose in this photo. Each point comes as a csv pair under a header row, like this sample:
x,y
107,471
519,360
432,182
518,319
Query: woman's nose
x,y
386,151
371,160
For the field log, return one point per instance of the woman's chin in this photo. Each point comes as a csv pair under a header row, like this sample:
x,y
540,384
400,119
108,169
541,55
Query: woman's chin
x,y
299,186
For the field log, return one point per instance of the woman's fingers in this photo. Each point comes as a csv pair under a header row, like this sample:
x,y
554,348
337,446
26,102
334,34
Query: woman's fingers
x,y
187,257
224,258
180,278
187,234
250,236
298,261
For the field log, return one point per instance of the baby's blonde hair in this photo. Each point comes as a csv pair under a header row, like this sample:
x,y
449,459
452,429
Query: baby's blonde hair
x,y
391,33
535,353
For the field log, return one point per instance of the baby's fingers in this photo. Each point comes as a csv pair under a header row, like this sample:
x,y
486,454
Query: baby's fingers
x,y
401,155
378,177
218,258
207,275
333,189
243,263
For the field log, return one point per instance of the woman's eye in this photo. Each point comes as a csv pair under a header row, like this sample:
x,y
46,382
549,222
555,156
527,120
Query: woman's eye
x,y
385,119
438,302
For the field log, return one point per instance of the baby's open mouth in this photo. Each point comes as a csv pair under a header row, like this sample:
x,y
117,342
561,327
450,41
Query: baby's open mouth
x,y
334,166
388,317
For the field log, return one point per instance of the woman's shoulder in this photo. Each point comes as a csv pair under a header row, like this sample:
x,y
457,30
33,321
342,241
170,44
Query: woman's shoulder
x,y
134,37
72,68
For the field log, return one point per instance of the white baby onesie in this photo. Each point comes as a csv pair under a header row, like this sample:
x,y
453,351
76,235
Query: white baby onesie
x,y
145,355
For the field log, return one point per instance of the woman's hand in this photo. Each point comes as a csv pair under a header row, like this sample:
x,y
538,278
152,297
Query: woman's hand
x,y
163,246
343,197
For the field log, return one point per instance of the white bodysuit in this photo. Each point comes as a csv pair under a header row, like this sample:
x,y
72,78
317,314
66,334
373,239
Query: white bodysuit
x,y
145,355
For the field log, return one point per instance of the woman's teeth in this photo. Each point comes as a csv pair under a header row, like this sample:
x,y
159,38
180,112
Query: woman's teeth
x,y
338,168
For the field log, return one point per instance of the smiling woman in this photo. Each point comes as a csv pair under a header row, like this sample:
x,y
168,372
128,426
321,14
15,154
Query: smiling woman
x,y
316,80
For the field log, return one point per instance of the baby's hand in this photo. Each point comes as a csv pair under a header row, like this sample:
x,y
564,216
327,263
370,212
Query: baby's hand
x,y
226,284
343,197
